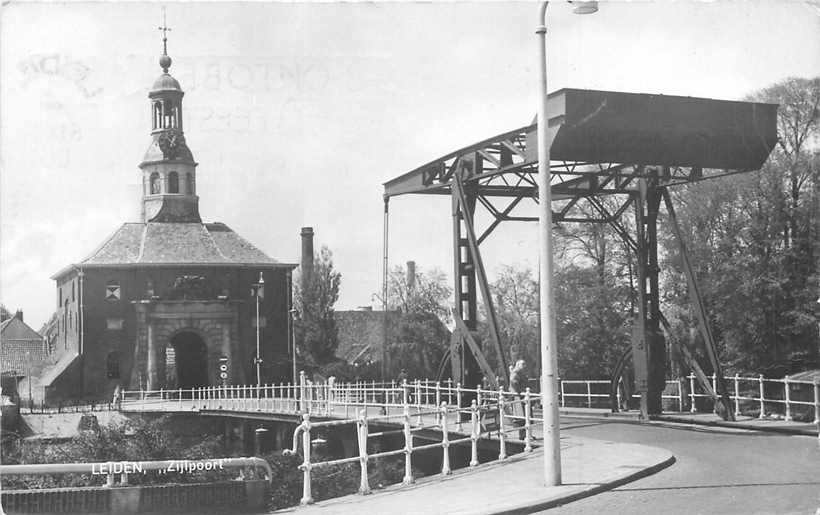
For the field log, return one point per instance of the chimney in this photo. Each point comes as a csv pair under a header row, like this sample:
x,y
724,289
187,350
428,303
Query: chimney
x,y
411,275
19,315
307,254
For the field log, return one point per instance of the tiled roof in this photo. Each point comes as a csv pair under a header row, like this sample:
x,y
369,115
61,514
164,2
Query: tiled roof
x,y
20,347
161,243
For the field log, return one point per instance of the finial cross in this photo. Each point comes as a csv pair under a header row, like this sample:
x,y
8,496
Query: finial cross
x,y
164,30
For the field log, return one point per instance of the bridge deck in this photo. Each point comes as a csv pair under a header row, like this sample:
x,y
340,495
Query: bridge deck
x,y
588,467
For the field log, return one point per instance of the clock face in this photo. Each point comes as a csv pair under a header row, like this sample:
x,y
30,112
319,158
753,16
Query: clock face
x,y
172,144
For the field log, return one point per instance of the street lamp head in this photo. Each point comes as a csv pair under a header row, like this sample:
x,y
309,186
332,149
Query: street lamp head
x,y
585,7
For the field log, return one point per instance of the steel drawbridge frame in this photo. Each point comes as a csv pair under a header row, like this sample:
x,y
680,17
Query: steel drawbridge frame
x,y
498,175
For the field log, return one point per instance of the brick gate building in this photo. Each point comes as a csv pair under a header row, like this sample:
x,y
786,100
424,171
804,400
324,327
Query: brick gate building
x,y
163,300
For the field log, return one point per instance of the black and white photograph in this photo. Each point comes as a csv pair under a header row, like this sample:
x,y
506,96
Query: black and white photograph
x,y
410,257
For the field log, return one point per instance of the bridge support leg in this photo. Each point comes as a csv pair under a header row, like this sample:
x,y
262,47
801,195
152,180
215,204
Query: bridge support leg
x,y
648,344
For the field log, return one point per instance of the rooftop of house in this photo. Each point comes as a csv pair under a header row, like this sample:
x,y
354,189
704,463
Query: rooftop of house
x,y
176,243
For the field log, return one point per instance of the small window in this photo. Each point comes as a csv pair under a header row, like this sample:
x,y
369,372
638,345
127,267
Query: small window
x,y
173,182
112,291
155,186
112,365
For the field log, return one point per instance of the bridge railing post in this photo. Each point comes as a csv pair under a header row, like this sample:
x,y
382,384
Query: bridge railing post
x,y
589,394
502,438
458,403
714,389
445,441
787,397
408,436
474,433
302,404
418,402
307,497
680,394
438,402
527,420
817,404
331,394
563,397
692,406
737,395
364,485
180,399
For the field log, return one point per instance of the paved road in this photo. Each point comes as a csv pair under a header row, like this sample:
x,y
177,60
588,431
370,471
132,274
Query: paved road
x,y
717,472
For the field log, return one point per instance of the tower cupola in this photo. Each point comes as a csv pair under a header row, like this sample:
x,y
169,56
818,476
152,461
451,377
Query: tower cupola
x,y
168,167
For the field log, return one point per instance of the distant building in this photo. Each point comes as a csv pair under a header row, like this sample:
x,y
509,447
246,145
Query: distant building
x,y
362,341
361,334
22,352
166,301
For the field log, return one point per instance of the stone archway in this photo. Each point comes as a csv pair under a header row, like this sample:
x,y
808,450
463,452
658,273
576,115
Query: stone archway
x,y
190,360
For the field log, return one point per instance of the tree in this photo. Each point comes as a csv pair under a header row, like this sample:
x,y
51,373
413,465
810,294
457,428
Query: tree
x,y
516,303
315,296
429,292
421,337
754,242
593,322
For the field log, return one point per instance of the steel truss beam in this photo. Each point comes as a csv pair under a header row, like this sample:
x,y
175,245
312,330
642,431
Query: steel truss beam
x,y
499,174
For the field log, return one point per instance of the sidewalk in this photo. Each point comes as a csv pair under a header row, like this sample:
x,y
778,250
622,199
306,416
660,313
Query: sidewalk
x,y
774,425
513,486
742,422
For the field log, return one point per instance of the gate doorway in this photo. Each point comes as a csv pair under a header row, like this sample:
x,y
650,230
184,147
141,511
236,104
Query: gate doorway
x,y
190,360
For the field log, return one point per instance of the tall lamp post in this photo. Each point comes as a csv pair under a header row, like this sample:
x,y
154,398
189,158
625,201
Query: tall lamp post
x,y
549,351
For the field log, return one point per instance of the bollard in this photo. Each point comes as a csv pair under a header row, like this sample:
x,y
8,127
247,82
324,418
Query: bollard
x,y
474,434
527,421
445,441
408,437
306,494
361,423
788,417
502,440
762,402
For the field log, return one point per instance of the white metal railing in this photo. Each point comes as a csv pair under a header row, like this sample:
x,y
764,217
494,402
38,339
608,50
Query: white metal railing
x,y
755,395
111,469
443,417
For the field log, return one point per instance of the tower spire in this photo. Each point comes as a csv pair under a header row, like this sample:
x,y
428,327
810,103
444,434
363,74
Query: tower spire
x,y
164,61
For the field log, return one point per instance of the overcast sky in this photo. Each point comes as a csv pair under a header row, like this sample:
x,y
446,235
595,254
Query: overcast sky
x,y
297,113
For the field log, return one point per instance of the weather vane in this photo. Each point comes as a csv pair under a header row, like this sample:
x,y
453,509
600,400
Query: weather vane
x,y
164,30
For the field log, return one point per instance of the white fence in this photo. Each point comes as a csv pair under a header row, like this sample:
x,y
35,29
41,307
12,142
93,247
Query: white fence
x,y
490,412
756,396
